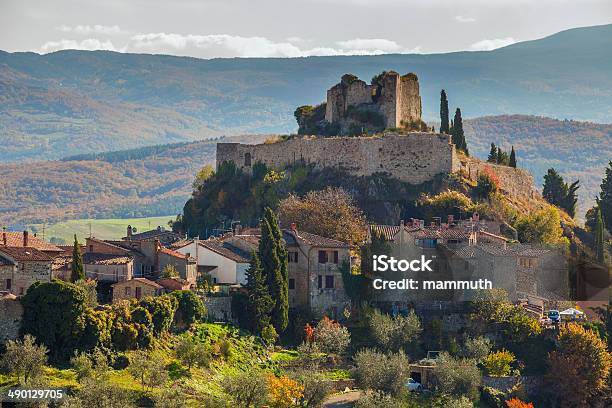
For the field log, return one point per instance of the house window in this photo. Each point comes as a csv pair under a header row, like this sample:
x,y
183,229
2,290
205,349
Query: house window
x,y
138,292
322,257
21,291
91,248
128,291
8,284
291,284
320,282
329,281
292,257
247,159
336,257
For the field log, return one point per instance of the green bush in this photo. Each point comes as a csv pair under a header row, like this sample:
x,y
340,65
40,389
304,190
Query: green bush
x,y
493,397
190,308
162,309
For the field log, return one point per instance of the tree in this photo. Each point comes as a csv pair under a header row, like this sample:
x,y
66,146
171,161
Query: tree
x,y
171,398
259,303
457,376
247,389
331,213
89,287
25,359
273,256
570,199
394,333
541,227
498,363
512,160
331,336
517,403
476,348
54,313
190,308
284,391
485,185
204,174
269,335
559,193
605,198
169,271
96,393
502,157
90,365
580,367
492,154
148,369
444,127
162,309
381,372
192,352
458,137
492,305
316,387
378,245
77,268
599,237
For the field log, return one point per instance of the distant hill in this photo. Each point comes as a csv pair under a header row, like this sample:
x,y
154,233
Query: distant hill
x,y
73,102
145,182
578,150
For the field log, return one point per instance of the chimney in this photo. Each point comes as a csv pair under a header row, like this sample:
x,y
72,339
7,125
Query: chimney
x,y
475,217
4,235
157,249
129,231
25,238
451,219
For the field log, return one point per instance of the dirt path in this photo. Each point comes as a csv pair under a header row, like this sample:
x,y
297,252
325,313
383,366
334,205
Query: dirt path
x,y
344,400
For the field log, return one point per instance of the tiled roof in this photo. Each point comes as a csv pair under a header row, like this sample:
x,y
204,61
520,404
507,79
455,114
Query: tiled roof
x,y
26,254
141,280
444,233
15,239
173,253
92,258
390,231
173,283
152,234
312,240
227,250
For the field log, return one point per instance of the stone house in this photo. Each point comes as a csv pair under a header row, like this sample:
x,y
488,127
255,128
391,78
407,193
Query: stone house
x,y
135,288
25,239
315,280
21,266
160,234
108,267
225,262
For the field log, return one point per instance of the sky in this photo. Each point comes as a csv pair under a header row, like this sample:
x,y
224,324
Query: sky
x,y
287,28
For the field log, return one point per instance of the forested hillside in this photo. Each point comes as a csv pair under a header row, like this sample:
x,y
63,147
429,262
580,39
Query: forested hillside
x,y
73,102
577,150
134,183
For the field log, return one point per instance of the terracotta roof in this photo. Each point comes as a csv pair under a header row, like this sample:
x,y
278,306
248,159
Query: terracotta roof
x,y
92,258
227,250
26,254
444,233
312,240
15,239
152,234
390,231
174,283
141,280
173,253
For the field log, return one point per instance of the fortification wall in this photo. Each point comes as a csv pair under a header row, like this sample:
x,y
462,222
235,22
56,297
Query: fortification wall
x,y
515,182
413,158
409,100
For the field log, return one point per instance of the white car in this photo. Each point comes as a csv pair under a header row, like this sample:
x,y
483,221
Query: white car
x,y
412,385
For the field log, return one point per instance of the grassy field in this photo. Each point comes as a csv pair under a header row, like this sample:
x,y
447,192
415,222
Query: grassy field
x,y
103,228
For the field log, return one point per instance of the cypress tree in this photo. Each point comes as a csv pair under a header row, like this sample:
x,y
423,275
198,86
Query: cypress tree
x,y
275,268
259,301
605,198
571,198
492,154
599,237
77,270
444,127
457,133
554,190
512,162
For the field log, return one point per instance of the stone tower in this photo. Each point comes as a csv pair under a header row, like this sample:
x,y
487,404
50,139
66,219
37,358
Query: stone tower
x,y
393,96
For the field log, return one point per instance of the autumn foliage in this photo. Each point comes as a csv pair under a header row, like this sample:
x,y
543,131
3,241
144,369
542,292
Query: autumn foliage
x,y
517,403
284,392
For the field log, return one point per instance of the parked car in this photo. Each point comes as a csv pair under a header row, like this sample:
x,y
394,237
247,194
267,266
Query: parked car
x,y
554,316
412,385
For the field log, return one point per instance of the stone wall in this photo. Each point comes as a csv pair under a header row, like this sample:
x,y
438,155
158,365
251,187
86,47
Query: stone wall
x,y
11,313
413,158
219,308
24,275
515,182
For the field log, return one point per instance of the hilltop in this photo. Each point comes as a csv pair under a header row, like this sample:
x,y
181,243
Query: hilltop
x,y
72,102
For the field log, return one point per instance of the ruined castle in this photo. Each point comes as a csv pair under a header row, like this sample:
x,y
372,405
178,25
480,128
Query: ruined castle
x,y
395,98
412,157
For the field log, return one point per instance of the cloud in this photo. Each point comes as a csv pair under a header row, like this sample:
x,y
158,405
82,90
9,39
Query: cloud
x,y
224,45
89,44
88,29
462,19
488,45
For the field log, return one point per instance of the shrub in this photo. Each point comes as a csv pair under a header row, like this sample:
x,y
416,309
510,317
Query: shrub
x,y
331,336
378,399
315,388
269,335
162,309
498,363
25,359
458,377
284,391
485,186
247,389
382,372
476,347
394,333
190,308
517,403
148,369
493,397
191,352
